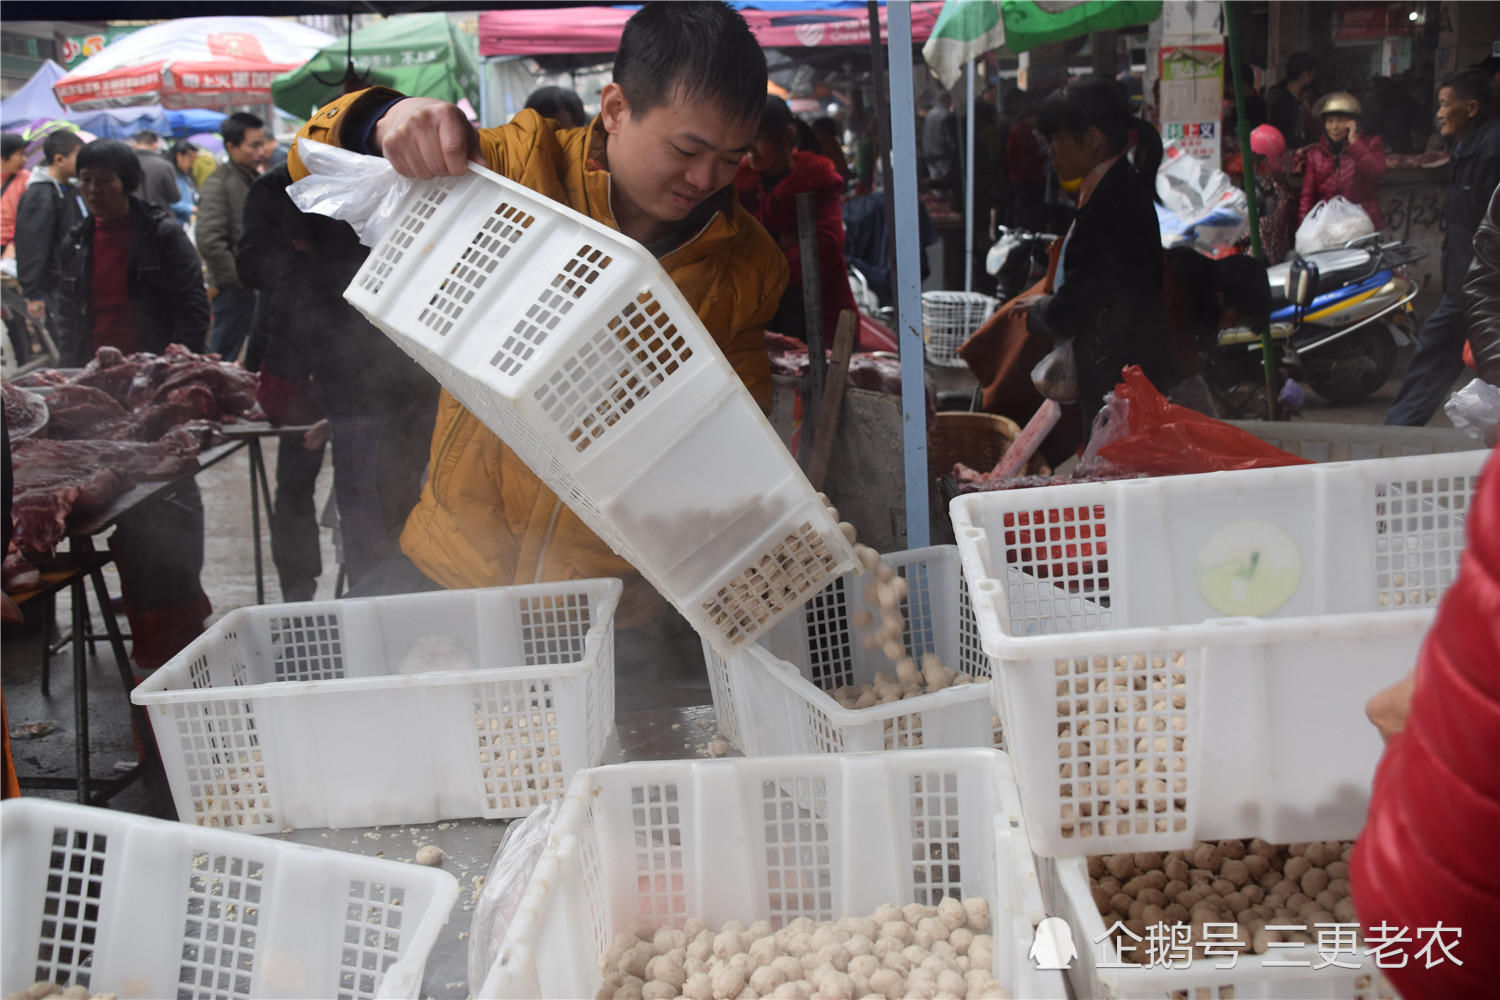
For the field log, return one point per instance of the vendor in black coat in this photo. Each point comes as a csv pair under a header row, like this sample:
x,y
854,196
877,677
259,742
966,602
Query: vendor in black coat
x,y
1107,296
130,279
128,275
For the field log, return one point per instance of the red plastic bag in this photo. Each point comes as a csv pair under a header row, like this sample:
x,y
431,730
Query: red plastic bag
x,y
1170,440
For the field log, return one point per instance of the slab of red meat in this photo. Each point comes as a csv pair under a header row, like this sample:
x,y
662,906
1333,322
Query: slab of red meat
x,y
38,463
77,410
111,372
42,379
41,518
233,389
176,406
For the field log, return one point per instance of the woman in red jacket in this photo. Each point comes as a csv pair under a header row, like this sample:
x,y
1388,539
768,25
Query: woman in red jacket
x,y
1423,860
1343,162
769,179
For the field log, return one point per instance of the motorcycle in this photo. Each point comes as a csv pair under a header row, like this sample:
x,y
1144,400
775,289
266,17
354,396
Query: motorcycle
x,y
1338,317
1017,260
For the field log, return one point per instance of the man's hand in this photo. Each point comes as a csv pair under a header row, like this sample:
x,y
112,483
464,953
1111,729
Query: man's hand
x,y
424,137
36,309
317,435
1388,708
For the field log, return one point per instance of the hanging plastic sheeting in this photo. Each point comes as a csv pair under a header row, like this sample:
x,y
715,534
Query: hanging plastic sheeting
x,y
192,62
34,101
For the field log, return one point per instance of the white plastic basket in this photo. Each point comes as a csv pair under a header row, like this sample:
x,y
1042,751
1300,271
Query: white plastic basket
x,y
1188,657
1326,442
571,343
770,698
1097,971
146,908
772,838
949,319
309,715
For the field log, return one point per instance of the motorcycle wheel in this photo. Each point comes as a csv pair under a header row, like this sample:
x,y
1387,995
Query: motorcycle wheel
x,y
1353,367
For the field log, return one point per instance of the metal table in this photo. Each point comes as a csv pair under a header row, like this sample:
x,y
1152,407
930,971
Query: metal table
x,y
469,845
250,434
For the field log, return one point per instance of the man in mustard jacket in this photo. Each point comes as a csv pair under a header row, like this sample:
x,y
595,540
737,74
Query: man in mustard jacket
x,y
658,165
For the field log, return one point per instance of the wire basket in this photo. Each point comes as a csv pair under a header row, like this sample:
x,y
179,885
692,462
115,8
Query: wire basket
x,y
949,319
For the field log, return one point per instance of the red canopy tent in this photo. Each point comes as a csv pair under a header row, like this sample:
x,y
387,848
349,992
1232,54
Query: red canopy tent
x,y
597,29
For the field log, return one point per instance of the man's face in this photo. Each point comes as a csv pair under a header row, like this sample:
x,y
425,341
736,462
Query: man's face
x,y
1455,115
14,162
253,152
667,161
771,152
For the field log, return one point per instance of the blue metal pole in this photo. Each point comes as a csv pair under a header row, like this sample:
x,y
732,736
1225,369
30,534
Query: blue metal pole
x,y
908,275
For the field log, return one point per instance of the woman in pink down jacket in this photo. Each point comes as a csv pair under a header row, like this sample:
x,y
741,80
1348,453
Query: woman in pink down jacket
x,y
1343,162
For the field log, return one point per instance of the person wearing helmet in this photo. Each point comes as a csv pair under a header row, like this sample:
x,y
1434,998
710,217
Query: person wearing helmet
x,y
1277,200
1343,162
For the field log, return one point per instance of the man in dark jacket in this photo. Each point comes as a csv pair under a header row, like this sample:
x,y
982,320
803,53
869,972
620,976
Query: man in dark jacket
x,y
221,205
1465,114
1284,102
317,355
49,209
1482,295
160,186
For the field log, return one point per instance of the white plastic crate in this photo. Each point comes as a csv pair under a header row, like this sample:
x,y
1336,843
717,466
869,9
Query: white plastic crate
x,y
404,709
772,838
571,343
1327,442
1188,657
147,908
949,319
1097,971
771,698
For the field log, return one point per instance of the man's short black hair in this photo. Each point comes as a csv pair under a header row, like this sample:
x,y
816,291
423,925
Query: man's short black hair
x,y
236,125
146,137
10,144
1298,63
114,156
692,52
776,117
1473,85
59,143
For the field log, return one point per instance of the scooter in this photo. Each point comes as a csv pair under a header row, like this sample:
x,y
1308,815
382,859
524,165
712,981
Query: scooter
x,y
1339,317
1017,260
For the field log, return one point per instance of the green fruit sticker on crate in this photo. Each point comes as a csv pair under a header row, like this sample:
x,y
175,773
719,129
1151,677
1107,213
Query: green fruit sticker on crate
x,y
1248,568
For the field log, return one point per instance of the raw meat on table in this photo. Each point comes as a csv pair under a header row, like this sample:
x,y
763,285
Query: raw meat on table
x,y
19,575
77,411
25,412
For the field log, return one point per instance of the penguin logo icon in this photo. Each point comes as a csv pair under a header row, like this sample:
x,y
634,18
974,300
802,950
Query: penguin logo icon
x,y
1053,948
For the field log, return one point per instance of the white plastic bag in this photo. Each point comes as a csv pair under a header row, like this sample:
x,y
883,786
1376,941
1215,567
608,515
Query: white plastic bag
x,y
1056,375
364,191
1475,410
510,872
1332,223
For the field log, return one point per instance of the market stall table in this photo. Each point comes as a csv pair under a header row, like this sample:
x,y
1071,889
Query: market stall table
x,y
469,845
83,561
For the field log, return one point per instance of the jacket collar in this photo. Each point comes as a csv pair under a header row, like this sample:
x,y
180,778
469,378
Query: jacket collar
x,y
1483,137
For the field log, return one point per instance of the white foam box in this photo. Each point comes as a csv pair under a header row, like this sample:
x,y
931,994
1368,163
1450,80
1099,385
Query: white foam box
x,y
772,838
1187,658
772,698
570,342
405,709
143,907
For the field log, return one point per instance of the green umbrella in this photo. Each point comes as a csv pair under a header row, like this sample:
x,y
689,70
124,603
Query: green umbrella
x,y
421,55
967,29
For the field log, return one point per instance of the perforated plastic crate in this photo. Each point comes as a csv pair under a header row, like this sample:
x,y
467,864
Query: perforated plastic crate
x,y
142,907
772,838
571,343
949,319
1162,970
1188,657
384,710
770,698
1326,442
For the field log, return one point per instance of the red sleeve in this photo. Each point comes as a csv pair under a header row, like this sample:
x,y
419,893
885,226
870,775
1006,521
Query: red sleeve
x,y
1368,155
1424,854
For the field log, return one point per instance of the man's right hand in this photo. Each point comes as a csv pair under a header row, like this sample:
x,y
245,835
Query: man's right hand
x,y
36,309
423,137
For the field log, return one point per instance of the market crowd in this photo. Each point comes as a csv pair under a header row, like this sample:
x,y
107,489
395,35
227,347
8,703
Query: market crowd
x,y
688,155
